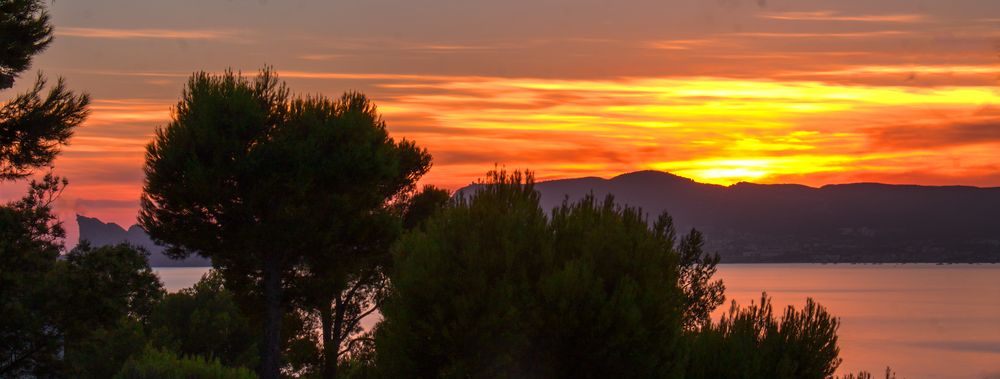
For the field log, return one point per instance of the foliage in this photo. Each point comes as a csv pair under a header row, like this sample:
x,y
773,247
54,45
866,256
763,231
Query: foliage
x,y
104,295
29,248
751,342
35,124
205,320
161,364
80,316
213,173
360,363
344,276
697,268
100,285
423,205
490,287
102,352
26,31
889,374
32,128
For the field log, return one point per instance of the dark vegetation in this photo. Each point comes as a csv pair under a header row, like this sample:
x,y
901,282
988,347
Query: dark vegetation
x,y
309,213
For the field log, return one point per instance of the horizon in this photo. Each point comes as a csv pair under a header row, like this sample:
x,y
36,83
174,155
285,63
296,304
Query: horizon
x,y
721,92
609,178
556,188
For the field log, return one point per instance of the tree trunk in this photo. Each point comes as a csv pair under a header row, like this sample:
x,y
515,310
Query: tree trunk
x,y
270,353
331,348
326,319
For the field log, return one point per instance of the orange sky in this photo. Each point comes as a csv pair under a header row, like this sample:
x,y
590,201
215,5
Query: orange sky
x,y
721,91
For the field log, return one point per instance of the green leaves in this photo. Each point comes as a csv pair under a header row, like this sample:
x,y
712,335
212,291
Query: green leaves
x,y
281,193
29,249
750,342
205,320
491,287
158,364
33,125
26,31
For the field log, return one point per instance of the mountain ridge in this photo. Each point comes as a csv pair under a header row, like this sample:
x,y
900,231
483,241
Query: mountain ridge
x,y
99,233
854,222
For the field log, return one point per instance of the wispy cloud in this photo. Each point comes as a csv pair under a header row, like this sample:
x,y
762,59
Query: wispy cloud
x,y
679,44
972,131
876,33
713,129
917,69
836,16
111,33
111,111
321,57
706,126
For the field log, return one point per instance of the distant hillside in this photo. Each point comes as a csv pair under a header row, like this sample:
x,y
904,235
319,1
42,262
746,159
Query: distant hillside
x,y
864,222
101,234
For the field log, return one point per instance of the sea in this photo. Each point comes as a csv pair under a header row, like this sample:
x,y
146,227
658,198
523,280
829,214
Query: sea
x,y
921,320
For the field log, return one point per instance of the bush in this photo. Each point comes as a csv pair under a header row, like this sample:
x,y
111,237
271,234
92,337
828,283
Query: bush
x,y
889,374
491,287
205,320
161,364
751,343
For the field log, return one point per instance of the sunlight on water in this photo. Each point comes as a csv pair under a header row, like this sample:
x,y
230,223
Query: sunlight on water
x,y
925,321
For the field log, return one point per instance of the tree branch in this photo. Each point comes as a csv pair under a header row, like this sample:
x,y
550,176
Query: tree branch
x,y
350,344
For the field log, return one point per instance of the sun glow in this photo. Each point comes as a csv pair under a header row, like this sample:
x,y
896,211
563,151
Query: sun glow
x,y
702,128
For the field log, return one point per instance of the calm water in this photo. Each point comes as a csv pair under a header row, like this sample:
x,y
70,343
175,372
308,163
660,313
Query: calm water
x,y
926,321
176,278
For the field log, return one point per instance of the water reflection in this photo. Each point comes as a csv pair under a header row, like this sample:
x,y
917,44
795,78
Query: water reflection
x,y
926,321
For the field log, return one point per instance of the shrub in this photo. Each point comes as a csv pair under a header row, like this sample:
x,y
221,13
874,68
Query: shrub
x,y
752,343
161,364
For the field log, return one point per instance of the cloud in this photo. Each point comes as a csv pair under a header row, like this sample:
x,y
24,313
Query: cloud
x,y
990,69
321,57
679,44
371,76
713,129
111,33
106,203
866,34
836,16
974,132
971,346
113,111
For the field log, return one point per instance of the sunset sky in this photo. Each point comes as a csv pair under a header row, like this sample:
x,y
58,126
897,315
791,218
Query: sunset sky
x,y
721,91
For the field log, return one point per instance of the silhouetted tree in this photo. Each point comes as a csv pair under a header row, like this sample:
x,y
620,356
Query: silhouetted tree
x,y
80,317
889,374
29,247
35,124
356,346
26,31
268,186
423,205
160,364
206,320
751,342
104,296
344,277
697,269
491,287
32,128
